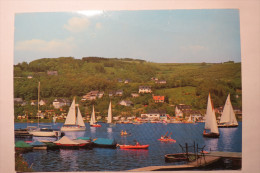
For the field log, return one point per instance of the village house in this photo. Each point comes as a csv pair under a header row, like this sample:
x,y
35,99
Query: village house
x,y
145,89
42,102
160,81
158,99
52,73
181,110
58,103
154,78
135,95
29,77
111,93
127,80
125,103
119,80
92,95
119,93
18,101
34,102
155,115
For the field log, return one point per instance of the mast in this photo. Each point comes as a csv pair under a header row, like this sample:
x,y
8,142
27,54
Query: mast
x,y
38,103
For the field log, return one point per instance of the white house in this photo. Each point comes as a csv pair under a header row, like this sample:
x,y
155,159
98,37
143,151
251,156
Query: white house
x,y
145,89
155,115
125,103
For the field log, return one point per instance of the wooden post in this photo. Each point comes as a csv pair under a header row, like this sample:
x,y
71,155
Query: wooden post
x,y
187,149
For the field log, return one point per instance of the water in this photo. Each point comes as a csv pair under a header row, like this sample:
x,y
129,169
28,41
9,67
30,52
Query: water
x,y
100,159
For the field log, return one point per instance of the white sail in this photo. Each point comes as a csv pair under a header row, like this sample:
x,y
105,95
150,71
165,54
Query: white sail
x,y
109,114
80,121
92,118
228,116
71,117
210,122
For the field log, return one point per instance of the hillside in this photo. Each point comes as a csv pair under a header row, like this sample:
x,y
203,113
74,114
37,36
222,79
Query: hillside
x,y
187,83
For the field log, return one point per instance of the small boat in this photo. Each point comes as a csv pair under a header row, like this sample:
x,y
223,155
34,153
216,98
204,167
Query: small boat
x,y
93,122
104,143
228,117
210,122
74,121
50,145
133,146
37,145
124,133
66,143
22,134
167,140
21,146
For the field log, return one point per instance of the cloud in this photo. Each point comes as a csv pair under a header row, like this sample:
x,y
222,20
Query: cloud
x,y
36,45
77,24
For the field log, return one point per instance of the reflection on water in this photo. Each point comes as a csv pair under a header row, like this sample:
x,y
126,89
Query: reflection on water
x,y
100,159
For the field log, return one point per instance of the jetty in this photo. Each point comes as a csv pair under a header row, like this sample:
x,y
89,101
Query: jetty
x,y
200,163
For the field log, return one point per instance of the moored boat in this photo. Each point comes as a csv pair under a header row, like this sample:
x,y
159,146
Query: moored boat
x,y
66,143
21,146
104,143
179,157
37,145
210,122
228,117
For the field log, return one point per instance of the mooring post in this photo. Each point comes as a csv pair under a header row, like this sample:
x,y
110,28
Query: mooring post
x,y
186,149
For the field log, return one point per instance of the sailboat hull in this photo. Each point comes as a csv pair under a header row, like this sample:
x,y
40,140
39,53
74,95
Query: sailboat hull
x,y
45,133
211,135
227,125
73,128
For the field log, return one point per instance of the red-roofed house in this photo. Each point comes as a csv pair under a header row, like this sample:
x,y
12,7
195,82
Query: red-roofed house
x,y
158,99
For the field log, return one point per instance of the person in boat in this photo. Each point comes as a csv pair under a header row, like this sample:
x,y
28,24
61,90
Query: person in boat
x,y
122,132
125,133
162,137
137,143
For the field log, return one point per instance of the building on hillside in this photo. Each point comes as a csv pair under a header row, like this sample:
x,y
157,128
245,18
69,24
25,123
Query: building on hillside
x,y
42,102
158,99
181,110
161,82
119,93
54,73
111,93
135,95
155,115
93,95
34,102
125,103
58,103
29,77
127,81
154,78
145,89
18,101
119,80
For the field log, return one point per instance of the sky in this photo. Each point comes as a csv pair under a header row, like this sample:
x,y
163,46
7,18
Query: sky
x,y
163,36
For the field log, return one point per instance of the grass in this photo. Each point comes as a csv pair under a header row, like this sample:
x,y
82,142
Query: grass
x,y
184,95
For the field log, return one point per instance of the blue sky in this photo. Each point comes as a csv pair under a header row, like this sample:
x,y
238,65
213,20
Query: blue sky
x,y
165,36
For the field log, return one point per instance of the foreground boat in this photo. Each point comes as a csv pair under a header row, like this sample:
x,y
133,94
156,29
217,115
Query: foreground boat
x,y
210,122
74,121
37,145
133,146
21,146
104,143
228,117
67,143
178,157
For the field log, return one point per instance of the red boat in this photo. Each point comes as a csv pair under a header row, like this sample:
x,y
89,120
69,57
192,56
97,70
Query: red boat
x,y
167,140
95,125
133,146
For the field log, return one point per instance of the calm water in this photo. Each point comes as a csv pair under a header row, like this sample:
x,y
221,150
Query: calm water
x,y
99,159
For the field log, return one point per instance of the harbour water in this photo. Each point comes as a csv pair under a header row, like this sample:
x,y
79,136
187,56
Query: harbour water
x,y
102,159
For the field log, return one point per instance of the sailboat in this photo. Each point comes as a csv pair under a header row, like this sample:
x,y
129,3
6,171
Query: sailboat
x,y
43,131
74,121
228,117
109,114
210,122
93,122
